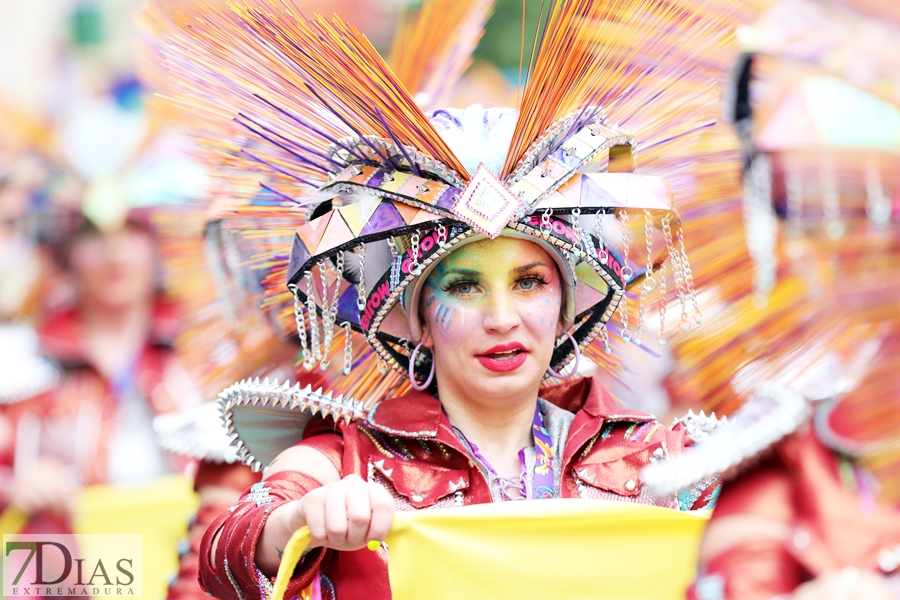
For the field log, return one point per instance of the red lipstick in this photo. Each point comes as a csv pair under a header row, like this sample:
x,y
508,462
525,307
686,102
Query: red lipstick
x,y
503,357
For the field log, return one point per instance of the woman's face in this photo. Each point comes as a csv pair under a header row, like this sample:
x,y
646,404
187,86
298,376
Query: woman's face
x,y
491,316
115,269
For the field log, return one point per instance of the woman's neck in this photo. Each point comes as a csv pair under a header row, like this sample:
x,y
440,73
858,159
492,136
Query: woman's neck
x,y
499,431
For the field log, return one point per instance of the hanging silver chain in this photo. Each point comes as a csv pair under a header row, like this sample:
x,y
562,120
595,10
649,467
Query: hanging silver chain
x,y
604,335
301,325
627,273
649,282
603,254
348,347
677,271
688,275
662,304
327,330
361,288
315,351
546,228
329,312
575,220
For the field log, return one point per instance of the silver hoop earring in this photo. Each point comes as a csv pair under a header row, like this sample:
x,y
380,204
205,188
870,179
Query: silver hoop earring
x,y
419,387
577,360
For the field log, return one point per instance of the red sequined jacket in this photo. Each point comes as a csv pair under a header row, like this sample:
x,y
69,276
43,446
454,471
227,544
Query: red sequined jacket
x,y
407,445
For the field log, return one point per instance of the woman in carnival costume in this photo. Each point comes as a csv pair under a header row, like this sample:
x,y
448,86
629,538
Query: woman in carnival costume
x,y
811,510
470,247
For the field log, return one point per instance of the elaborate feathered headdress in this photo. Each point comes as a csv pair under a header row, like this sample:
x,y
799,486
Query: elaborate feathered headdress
x,y
374,189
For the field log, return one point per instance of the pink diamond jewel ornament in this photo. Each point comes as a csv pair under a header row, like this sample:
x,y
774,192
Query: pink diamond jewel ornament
x,y
486,204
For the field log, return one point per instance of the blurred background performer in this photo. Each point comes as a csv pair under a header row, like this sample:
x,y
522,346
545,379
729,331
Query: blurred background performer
x,y
816,100
83,457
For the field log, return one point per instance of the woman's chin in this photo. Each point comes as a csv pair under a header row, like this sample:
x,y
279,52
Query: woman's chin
x,y
494,384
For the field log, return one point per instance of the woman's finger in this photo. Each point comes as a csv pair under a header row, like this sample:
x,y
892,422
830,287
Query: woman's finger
x,y
314,514
359,513
336,517
382,513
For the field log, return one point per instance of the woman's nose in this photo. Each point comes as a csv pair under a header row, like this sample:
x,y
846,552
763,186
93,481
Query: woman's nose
x,y
501,314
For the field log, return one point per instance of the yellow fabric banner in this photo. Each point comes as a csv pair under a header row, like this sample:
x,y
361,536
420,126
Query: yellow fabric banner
x,y
158,511
569,548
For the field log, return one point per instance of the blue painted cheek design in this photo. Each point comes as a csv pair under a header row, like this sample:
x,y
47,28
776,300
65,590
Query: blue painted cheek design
x,y
444,316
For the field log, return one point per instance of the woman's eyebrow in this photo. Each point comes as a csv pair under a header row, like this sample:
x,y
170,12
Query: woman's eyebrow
x,y
466,272
530,266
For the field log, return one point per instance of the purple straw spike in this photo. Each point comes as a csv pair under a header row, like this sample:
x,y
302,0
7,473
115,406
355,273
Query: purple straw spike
x,y
291,142
314,129
277,193
409,161
666,140
302,159
277,168
387,159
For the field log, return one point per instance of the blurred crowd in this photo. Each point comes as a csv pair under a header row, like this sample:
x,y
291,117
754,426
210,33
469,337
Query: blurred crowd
x,y
126,305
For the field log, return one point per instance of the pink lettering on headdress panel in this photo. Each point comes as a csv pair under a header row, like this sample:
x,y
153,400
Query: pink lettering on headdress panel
x,y
374,301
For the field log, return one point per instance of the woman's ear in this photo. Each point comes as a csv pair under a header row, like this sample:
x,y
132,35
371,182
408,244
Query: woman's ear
x,y
426,339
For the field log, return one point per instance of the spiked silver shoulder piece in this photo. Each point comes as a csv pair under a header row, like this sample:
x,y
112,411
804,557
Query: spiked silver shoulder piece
x,y
698,426
264,419
196,433
767,418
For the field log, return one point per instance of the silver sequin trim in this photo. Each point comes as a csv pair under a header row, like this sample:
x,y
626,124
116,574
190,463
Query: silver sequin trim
x,y
259,493
687,498
234,584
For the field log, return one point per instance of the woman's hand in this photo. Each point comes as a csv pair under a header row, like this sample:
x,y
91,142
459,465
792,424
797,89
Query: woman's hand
x,y
847,584
344,515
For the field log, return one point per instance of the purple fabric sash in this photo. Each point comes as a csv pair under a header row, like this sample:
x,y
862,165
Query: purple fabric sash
x,y
543,464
